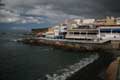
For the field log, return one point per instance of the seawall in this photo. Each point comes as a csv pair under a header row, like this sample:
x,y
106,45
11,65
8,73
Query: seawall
x,y
110,45
95,70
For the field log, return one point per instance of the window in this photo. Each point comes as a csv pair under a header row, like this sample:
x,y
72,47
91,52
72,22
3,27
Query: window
x,y
70,32
76,33
83,33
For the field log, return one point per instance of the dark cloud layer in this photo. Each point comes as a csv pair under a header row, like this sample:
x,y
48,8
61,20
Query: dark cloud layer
x,y
87,8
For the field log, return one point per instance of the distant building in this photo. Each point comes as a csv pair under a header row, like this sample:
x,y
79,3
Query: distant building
x,y
88,21
110,21
78,21
118,21
50,33
107,21
57,31
86,29
100,22
75,23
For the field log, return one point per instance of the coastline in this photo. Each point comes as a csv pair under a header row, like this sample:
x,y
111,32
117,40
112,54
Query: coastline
x,y
99,67
72,44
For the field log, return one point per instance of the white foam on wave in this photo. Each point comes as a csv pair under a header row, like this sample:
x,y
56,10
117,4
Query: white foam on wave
x,y
15,40
67,72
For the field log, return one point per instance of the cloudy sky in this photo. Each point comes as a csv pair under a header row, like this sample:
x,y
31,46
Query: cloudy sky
x,y
61,9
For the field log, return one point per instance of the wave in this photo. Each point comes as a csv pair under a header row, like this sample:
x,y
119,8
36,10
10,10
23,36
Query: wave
x,y
63,74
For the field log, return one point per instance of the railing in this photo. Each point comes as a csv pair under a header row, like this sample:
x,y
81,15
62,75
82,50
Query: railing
x,y
82,36
72,41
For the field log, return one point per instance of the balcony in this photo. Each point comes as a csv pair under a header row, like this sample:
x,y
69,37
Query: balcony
x,y
72,36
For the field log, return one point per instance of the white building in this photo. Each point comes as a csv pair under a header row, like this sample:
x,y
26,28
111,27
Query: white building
x,y
63,28
56,30
49,35
88,21
108,32
118,21
78,21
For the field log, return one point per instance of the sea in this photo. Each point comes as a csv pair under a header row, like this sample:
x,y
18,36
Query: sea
x,y
20,61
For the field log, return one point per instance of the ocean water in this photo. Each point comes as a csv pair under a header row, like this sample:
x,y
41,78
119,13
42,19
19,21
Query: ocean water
x,y
25,62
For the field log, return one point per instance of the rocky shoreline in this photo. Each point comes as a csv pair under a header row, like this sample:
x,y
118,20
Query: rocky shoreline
x,y
71,45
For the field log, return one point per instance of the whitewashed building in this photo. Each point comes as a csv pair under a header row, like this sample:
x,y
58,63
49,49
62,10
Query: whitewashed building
x,y
88,21
109,32
78,21
118,21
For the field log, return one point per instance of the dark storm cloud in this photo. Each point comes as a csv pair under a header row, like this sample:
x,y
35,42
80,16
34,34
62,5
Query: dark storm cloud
x,y
112,5
73,7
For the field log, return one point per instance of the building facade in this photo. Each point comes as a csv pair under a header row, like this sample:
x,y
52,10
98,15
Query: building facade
x,y
118,21
108,32
82,32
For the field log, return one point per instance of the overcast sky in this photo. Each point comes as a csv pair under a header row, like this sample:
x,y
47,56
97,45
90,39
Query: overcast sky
x,y
66,8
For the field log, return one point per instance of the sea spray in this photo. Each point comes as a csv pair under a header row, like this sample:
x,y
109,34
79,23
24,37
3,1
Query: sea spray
x,y
67,72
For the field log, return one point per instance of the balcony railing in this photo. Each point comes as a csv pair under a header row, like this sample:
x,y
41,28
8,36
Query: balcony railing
x,y
81,36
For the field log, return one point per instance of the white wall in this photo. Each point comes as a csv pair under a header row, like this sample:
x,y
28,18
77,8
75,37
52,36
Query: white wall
x,y
118,21
88,21
78,21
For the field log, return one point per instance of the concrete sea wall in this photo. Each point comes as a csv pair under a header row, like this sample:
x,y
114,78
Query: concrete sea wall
x,y
110,45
